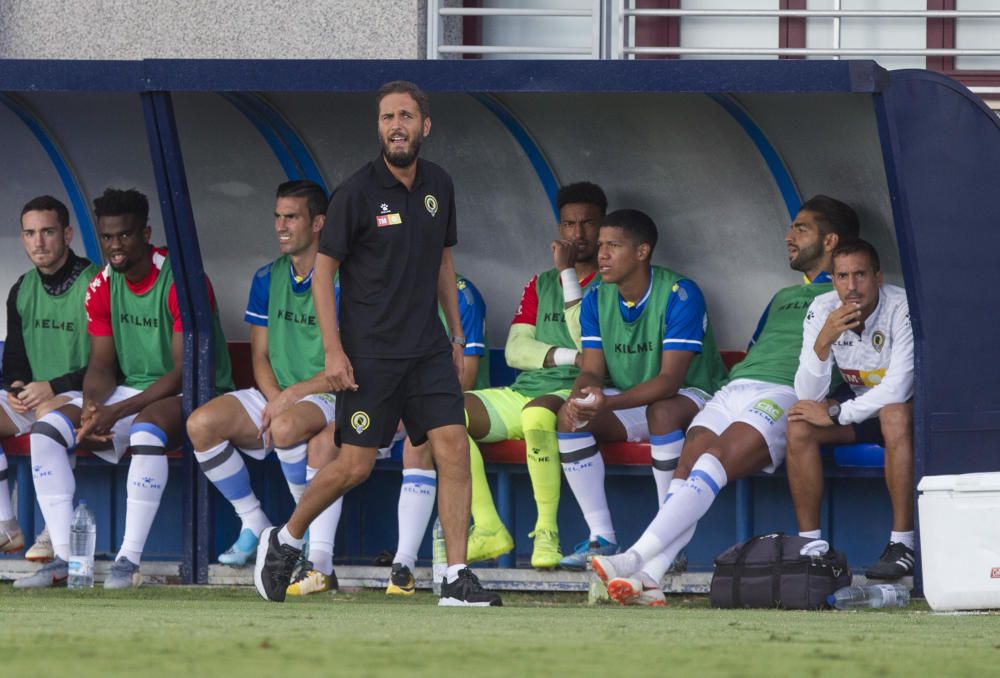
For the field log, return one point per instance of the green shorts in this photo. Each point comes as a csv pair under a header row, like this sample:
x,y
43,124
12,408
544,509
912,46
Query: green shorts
x,y
504,405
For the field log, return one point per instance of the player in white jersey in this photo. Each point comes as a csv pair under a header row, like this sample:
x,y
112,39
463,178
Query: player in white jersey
x,y
864,327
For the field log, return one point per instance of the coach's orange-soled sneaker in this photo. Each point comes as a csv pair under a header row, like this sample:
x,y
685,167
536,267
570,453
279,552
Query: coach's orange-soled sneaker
x,y
636,591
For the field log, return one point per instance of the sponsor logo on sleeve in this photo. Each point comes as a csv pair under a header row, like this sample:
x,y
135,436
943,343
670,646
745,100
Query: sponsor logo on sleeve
x,y
868,378
995,573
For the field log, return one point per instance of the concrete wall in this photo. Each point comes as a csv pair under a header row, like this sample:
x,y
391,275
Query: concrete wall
x,y
231,29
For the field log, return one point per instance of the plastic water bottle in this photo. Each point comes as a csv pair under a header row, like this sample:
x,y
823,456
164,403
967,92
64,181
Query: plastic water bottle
x,y
440,563
873,595
82,539
597,592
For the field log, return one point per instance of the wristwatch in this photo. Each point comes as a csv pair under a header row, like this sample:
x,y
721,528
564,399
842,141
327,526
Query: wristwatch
x,y
457,340
834,413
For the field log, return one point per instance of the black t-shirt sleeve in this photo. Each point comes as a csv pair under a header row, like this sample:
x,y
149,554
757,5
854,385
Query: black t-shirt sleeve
x,y
71,381
341,225
451,232
15,356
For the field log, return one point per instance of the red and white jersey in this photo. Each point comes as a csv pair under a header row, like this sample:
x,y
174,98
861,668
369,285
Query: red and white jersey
x,y
877,364
98,299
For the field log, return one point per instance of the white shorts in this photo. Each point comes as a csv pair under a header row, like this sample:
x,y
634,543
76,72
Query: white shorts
x,y
120,431
756,403
634,418
23,422
254,402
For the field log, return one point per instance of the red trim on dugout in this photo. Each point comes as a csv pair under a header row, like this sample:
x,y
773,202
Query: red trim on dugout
x,y
656,31
940,35
472,28
791,30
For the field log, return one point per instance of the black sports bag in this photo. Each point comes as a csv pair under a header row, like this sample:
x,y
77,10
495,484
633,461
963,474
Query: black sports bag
x,y
768,571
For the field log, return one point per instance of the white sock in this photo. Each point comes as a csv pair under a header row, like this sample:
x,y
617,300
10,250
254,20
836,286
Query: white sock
x,y
904,538
323,531
52,437
684,508
666,451
416,502
584,468
322,561
6,508
285,537
223,465
658,565
453,571
147,478
811,534
293,465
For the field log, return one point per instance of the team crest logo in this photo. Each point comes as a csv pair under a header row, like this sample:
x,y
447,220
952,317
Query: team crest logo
x,y
878,341
360,422
431,204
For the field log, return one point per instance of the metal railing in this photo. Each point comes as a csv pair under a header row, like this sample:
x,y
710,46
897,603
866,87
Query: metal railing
x,y
612,34
599,14
624,31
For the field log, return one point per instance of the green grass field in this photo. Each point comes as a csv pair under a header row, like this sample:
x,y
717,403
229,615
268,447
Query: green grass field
x,y
198,631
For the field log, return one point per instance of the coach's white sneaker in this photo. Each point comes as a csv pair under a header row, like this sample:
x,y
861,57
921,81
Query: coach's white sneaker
x,y
639,590
617,566
41,551
11,537
124,574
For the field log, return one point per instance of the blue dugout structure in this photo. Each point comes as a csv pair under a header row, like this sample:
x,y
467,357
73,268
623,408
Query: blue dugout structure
x,y
931,159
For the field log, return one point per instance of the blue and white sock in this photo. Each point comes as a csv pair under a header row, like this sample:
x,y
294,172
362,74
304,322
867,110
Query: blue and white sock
x,y
224,466
666,451
323,531
416,502
6,508
293,465
684,509
52,441
584,468
147,478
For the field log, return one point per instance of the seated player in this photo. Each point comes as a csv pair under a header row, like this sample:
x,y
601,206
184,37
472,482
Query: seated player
x,y
863,327
134,322
742,429
419,488
290,404
647,328
45,353
541,345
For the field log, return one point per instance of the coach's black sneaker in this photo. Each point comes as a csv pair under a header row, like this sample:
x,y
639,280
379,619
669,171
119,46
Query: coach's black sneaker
x,y
466,591
895,562
273,569
400,581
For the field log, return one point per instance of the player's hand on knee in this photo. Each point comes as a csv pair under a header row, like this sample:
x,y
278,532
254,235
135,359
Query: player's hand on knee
x,y
36,393
339,372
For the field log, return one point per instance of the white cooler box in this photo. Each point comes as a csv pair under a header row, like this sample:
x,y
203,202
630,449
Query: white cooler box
x,y
960,540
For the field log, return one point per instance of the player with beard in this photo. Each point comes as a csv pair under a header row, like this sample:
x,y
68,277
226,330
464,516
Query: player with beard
x,y
863,328
134,323
389,232
45,354
742,428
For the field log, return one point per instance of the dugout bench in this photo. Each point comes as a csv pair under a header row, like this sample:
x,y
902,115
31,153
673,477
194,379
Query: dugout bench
x,y
505,463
